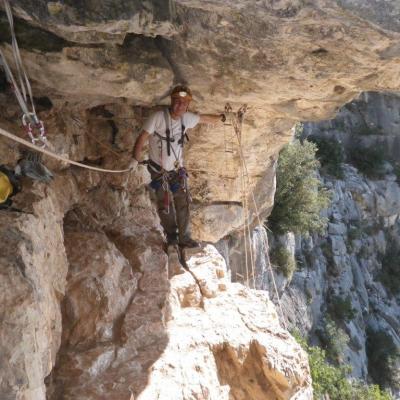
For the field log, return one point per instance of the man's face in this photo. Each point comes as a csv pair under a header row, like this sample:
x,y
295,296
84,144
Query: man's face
x,y
179,105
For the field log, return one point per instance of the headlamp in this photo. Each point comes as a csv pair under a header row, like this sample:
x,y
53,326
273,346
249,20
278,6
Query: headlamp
x,y
181,92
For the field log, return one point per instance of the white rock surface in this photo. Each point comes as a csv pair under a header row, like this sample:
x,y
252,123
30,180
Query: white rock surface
x,y
222,347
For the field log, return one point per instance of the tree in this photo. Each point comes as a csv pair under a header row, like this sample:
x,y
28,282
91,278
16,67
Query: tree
x,y
299,196
383,356
331,380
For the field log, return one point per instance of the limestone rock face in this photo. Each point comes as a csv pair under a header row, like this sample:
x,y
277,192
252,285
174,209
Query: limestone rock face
x,y
351,261
86,300
347,263
113,318
91,307
33,271
225,341
373,118
287,60
385,13
100,22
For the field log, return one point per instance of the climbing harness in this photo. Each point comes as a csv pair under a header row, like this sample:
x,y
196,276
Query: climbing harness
x,y
168,139
170,181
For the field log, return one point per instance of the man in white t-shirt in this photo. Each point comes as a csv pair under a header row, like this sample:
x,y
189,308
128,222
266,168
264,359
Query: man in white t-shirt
x,y
165,131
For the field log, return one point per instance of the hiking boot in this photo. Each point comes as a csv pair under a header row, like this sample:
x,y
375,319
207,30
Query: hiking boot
x,y
172,240
189,243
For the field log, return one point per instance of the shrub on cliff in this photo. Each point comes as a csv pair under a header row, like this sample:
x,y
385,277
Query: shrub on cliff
x,y
334,340
330,154
332,381
368,160
282,258
383,355
299,196
390,273
341,309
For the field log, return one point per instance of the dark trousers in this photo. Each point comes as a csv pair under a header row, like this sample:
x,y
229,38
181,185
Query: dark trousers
x,y
176,221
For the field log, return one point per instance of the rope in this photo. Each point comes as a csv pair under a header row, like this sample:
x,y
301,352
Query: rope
x,y
252,261
56,156
247,212
77,124
229,162
238,132
237,124
244,226
105,146
25,86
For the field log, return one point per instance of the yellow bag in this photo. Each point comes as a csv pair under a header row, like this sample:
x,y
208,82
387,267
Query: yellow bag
x,y
6,188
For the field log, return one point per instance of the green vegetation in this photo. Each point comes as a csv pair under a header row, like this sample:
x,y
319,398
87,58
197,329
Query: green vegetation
x,y
382,356
282,258
334,340
330,154
309,296
390,273
298,131
367,130
354,233
332,381
369,161
341,309
299,196
396,170
331,266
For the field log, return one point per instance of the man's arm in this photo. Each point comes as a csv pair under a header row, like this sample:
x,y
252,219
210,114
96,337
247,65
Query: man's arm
x,y
210,119
139,144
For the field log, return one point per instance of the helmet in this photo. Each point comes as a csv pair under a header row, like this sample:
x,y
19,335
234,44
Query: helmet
x,y
6,188
181,91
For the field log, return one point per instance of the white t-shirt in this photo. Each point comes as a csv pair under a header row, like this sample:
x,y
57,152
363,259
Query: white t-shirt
x,y
158,147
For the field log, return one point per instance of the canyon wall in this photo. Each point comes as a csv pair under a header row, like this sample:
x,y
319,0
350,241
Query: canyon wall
x,y
87,303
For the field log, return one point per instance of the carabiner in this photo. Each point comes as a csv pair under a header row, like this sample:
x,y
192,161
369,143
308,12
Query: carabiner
x,y
38,124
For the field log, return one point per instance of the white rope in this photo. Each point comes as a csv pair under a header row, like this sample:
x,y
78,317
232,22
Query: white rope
x,y
237,125
25,86
11,79
252,261
244,225
236,129
56,156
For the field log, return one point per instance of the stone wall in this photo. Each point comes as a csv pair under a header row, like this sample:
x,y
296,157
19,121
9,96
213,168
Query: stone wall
x,y
85,285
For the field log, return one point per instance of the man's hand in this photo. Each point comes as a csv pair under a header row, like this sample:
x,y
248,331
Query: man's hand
x,y
133,164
